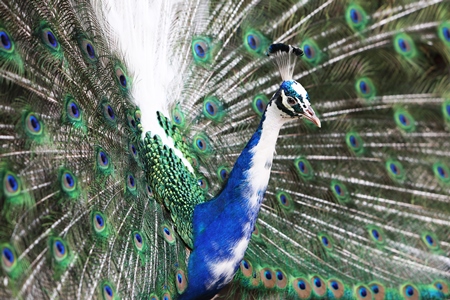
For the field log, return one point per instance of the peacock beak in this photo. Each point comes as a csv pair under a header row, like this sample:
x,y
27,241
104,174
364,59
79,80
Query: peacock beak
x,y
311,115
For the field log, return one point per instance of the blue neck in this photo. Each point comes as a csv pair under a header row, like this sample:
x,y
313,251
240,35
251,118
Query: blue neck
x,y
223,226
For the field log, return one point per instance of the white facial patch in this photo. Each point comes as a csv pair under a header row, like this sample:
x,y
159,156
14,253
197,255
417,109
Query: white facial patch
x,y
285,103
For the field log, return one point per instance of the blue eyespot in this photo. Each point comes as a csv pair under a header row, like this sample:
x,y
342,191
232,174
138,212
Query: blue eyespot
x,y
309,52
33,124
223,174
375,289
104,161
354,16
99,220
5,40
375,234
353,140
317,282
8,256
177,116
99,223
262,106
131,122
110,112
338,189
259,104
52,39
280,275
409,290
245,264
363,87
439,286
61,249
202,183
403,119
108,290
167,234
325,241
403,44
210,108
123,80
362,292
268,275
69,180
201,144
394,168
334,285
213,109
131,181
49,38
12,183
200,50
73,110
252,41
302,166
312,52
179,278
446,33
138,238
442,173
90,50
133,149
429,239
301,285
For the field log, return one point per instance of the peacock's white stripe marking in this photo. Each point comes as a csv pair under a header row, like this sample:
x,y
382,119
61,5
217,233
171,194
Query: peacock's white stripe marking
x,y
225,268
257,178
258,174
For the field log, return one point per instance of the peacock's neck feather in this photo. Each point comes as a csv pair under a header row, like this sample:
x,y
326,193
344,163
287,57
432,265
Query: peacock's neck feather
x,y
223,226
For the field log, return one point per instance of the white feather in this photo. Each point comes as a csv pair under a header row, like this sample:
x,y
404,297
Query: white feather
x,y
146,39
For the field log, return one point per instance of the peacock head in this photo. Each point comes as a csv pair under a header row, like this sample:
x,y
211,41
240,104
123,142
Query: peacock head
x,y
291,98
293,101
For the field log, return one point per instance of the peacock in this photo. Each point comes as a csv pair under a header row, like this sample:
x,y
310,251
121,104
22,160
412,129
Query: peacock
x,y
226,149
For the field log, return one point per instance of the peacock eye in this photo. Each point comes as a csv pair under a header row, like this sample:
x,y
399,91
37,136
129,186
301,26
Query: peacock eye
x,y
291,101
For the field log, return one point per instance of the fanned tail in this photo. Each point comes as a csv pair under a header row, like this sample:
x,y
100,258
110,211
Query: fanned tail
x,y
358,208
